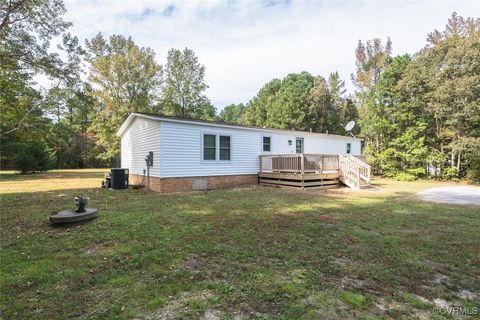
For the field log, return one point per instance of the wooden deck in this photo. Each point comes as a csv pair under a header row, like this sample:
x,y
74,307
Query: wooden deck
x,y
298,180
313,170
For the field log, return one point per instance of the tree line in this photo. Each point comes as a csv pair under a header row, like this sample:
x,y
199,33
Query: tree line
x,y
418,114
421,113
298,101
93,87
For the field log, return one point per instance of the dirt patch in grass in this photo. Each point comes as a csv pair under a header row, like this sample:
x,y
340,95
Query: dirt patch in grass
x,y
467,295
189,306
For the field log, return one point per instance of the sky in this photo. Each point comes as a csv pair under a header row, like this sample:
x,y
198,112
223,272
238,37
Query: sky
x,y
244,44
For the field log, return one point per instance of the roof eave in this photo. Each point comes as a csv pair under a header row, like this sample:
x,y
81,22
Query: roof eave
x,y
132,115
129,120
336,136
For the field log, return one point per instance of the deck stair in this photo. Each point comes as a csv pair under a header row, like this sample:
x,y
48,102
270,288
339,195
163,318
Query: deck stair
x,y
313,170
354,172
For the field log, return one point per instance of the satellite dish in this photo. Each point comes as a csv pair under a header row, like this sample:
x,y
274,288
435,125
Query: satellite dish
x,y
350,126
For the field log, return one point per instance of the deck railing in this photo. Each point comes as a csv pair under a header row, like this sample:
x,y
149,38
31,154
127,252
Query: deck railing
x,y
300,163
352,171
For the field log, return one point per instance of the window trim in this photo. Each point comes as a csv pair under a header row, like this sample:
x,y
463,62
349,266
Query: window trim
x,y
229,148
217,135
203,146
303,145
270,144
349,148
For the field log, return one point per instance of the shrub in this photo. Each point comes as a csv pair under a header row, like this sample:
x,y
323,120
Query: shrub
x,y
405,176
417,172
474,174
473,169
33,157
450,173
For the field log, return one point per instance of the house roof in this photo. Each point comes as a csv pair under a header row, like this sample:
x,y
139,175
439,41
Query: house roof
x,y
159,117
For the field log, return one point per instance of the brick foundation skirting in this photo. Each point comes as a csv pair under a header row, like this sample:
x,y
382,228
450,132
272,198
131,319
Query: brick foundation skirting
x,y
166,185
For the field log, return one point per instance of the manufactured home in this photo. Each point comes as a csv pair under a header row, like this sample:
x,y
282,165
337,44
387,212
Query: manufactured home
x,y
196,155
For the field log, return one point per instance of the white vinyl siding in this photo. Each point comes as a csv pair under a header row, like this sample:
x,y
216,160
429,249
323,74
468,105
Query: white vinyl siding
x,y
182,149
141,136
330,145
178,147
182,154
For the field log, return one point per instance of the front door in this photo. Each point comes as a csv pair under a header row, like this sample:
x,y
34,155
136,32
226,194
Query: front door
x,y
299,145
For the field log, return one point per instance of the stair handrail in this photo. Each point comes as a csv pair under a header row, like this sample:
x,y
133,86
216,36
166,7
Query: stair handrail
x,y
360,162
354,170
364,168
350,171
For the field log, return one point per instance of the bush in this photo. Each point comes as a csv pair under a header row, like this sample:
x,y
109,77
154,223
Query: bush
x,y
474,174
417,172
405,176
410,174
450,173
473,169
33,157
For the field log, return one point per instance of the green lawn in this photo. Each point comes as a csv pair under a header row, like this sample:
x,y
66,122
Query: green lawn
x,y
251,253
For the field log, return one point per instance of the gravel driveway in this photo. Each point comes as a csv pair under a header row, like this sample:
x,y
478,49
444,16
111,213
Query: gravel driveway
x,y
452,194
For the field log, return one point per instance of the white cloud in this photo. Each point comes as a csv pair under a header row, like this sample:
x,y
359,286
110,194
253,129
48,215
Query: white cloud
x,y
245,44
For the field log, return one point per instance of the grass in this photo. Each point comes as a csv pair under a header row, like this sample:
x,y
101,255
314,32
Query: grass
x,y
356,300
256,253
12,182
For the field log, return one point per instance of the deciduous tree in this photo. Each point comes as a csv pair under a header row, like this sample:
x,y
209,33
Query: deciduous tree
x,y
371,59
128,79
26,29
183,94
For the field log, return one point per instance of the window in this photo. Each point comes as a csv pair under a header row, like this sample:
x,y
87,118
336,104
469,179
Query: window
x,y
299,145
267,144
224,148
209,147
217,147
349,148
